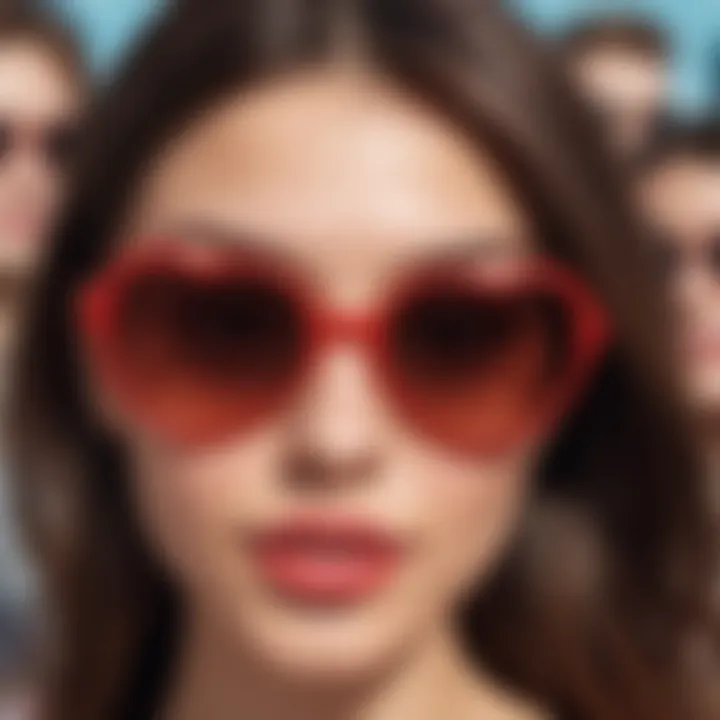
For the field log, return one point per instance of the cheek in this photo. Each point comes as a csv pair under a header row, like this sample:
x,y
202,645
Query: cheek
x,y
712,311
193,507
473,511
698,298
703,384
700,339
23,236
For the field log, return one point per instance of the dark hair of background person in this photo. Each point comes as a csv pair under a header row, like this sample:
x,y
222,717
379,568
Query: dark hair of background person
x,y
636,35
593,608
35,22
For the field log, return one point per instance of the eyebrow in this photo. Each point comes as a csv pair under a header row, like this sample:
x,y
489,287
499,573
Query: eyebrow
x,y
213,233
218,237
479,247
468,248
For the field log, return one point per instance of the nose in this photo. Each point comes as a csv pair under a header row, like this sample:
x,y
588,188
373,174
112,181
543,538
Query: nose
x,y
339,428
31,177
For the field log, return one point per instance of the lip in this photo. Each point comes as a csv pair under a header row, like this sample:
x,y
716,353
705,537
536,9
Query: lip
x,y
705,346
326,559
22,225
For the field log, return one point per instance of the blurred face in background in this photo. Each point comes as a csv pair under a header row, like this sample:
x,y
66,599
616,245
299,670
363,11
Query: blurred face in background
x,y
39,106
40,101
682,201
627,88
332,539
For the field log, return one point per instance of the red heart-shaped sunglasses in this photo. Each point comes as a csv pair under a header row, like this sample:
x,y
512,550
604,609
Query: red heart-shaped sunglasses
x,y
199,344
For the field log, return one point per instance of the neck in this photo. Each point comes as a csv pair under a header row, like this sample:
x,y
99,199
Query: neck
x,y
216,682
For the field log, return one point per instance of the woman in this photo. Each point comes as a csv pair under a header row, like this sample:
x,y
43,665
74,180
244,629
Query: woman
x,y
42,89
342,397
678,187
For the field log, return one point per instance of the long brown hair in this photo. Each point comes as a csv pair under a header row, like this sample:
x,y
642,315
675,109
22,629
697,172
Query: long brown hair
x,y
594,607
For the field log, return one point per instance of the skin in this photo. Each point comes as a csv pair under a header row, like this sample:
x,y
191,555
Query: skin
x,y
36,91
681,201
353,181
629,88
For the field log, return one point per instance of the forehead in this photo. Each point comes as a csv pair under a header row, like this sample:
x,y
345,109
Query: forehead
x,y
33,83
327,163
622,71
685,194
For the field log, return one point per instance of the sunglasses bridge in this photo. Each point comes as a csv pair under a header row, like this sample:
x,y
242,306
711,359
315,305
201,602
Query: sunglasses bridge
x,y
345,328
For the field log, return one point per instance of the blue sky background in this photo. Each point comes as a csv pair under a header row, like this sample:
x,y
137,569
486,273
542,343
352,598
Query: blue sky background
x,y
695,25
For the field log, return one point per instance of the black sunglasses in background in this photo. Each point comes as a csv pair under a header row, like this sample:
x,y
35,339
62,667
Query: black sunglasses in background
x,y
673,256
54,142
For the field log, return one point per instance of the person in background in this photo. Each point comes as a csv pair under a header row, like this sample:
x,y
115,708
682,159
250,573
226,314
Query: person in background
x,y
622,67
679,188
348,375
42,94
43,87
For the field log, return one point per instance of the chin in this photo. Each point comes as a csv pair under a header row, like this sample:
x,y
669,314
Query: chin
x,y
327,646
18,260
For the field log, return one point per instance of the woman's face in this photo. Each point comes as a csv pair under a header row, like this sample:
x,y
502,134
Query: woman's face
x,y
39,105
352,182
629,89
681,201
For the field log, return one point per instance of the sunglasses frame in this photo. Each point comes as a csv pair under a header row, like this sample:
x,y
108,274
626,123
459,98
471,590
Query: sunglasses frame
x,y
705,255
98,300
34,137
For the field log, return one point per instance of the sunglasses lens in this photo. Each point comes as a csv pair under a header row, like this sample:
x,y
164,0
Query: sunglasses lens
x,y
5,140
208,356
667,256
714,256
473,365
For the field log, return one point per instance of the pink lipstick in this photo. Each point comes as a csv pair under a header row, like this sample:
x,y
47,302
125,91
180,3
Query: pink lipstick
x,y
326,559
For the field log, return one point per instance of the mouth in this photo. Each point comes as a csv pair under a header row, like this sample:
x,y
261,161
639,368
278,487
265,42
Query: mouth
x,y
705,346
22,226
326,560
